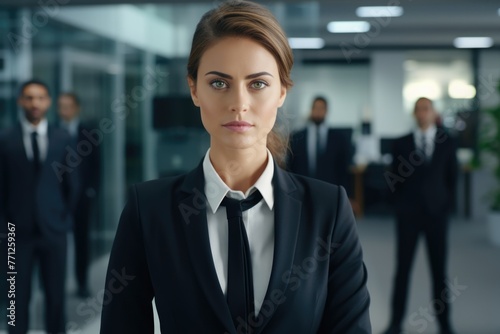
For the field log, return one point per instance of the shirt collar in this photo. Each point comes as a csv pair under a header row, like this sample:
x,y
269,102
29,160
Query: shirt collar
x,y
73,123
429,133
313,126
71,126
216,189
27,127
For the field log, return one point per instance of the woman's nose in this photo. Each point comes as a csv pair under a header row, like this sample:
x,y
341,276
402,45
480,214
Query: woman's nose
x,y
240,100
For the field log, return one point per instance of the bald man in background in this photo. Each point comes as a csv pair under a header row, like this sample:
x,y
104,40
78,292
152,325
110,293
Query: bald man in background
x,y
423,182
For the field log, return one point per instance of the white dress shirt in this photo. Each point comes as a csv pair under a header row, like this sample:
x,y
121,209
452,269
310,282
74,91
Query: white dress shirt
x,y
258,221
311,143
430,136
72,126
42,137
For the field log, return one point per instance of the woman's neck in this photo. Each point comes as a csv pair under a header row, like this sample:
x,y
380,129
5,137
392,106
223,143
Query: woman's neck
x,y
239,168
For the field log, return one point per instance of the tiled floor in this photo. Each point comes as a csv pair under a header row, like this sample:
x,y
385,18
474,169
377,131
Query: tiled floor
x,y
473,263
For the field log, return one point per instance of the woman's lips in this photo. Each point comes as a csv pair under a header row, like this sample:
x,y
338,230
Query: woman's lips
x,y
238,126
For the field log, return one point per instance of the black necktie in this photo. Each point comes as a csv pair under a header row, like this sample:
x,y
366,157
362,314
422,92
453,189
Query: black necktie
x,y
36,151
424,147
240,298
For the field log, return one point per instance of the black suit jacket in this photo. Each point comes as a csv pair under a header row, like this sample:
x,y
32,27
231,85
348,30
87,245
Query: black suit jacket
x,y
89,168
162,250
90,171
334,163
27,201
418,186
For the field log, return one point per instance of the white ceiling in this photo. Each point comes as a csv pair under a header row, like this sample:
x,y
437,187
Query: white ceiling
x,y
425,24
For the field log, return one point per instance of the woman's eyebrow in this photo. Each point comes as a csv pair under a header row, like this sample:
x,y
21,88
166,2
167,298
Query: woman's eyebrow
x,y
256,75
250,76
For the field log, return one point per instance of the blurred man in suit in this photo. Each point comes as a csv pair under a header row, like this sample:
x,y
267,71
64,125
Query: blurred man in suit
x,y
89,174
423,182
37,192
320,152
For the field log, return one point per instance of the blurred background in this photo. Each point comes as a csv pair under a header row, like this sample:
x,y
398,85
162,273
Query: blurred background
x,y
126,61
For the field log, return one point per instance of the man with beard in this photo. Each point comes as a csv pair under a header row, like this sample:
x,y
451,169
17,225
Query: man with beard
x,y
321,152
37,194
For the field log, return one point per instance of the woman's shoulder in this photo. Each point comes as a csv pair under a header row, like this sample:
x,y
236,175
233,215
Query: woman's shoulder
x,y
314,187
157,188
322,198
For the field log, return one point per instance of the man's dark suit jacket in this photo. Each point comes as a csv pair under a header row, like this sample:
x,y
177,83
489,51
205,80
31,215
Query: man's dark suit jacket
x,y
89,168
89,171
334,163
42,203
423,187
162,250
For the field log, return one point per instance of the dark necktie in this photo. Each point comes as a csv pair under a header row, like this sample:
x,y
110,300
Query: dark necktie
x,y
424,147
36,151
240,298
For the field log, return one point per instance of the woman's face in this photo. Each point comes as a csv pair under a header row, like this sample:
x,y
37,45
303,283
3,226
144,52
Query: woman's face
x,y
238,91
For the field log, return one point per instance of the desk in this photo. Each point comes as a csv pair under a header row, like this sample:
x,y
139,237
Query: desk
x,y
358,172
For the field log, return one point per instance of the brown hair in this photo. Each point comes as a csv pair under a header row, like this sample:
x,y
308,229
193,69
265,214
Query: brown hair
x,y
239,18
72,96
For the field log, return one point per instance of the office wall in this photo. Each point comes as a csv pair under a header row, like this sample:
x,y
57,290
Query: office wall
x,y
386,93
127,24
346,87
489,77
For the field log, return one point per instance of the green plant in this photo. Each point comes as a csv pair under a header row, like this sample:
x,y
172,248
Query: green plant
x,y
489,145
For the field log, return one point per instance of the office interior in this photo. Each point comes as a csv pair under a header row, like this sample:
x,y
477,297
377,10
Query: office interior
x,y
127,64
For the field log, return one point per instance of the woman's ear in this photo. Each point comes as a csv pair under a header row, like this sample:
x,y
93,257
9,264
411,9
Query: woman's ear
x,y
192,89
282,96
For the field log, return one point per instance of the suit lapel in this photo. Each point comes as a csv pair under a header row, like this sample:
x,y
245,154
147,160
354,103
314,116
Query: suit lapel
x,y
435,153
20,153
287,217
193,210
437,146
20,149
286,226
412,143
50,142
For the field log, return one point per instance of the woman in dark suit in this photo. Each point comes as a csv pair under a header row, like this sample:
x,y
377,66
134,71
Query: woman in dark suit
x,y
237,245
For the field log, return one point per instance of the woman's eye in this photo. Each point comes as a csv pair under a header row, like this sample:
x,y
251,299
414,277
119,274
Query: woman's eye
x,y
259,84
218,84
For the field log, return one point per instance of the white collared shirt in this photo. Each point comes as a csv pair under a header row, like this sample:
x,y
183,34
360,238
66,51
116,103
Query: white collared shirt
x,y
258,221
42,137
71,126
430,136
311,143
